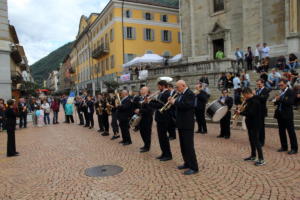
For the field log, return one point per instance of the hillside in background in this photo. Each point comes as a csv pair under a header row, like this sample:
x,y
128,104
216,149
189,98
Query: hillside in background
x,y
41,69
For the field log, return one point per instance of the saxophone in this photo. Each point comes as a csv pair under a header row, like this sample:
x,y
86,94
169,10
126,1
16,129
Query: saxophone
x,y
100,109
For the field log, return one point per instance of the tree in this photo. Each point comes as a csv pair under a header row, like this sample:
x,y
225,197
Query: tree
x,y
111,85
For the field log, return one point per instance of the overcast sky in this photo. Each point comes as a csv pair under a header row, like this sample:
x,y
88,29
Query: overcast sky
x,y
45,25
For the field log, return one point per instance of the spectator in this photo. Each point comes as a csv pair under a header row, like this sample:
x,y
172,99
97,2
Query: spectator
x,y
222,81
245,79
46,108
239,55
281,63
64,100
237,89
257,54
249,58
293,62
264,65
273,79
204,79
33,107
23,109
264,76
69,112
40,116
10,116
265,51
229,81
55,109
220,54
297,95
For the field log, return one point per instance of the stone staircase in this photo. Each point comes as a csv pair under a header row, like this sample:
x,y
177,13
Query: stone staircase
x,y
270,121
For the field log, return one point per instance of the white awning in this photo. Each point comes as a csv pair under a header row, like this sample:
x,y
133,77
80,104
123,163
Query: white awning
x,y
145,59
176,58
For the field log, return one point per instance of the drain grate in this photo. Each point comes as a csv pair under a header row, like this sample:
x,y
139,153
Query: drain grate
x,y
104,170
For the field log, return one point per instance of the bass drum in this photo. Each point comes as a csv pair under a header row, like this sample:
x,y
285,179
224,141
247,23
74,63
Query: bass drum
x,y
135,121
216,110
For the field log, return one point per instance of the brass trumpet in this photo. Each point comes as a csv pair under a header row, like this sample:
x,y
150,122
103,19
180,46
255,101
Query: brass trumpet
x,y
238,111
168,105
118,99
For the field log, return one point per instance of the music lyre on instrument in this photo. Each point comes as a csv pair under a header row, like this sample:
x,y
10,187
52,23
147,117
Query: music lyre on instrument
x,y
216,110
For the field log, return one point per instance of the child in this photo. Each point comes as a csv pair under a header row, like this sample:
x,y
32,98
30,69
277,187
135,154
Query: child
x,y
40,116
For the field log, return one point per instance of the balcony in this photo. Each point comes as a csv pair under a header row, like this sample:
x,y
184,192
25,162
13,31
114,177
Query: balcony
x,y
16,56
16,77
100,51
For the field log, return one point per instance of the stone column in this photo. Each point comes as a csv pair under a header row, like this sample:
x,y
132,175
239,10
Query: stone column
x,y
293,37
5,74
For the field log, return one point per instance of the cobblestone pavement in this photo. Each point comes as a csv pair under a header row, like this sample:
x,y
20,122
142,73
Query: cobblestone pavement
x,y
53,160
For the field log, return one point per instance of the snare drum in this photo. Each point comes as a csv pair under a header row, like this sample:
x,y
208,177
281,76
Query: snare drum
x,y
135,121
216,110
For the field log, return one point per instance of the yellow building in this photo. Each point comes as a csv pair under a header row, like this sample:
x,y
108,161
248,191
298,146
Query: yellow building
x,y
107,40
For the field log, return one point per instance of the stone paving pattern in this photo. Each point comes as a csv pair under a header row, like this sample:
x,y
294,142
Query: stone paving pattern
x,y
53,160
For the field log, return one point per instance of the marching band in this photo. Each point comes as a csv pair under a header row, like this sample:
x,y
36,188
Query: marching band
x,y
179,109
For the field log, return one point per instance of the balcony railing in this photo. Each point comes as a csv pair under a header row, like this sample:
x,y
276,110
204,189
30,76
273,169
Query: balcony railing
x,y
100,51
16,77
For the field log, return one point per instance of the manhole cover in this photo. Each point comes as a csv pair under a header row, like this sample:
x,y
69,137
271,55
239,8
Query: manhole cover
x,y
104,170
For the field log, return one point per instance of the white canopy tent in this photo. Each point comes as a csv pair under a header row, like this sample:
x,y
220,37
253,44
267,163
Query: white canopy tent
x,y
176,58
145,59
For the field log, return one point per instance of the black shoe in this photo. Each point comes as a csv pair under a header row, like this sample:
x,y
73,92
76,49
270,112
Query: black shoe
x,y
251,158
163,159
159,157
281,150
172,138
227,137
127,143
180,167
115,137
190,172
13,155
17,153
220,136
260,163
144,150
292,152
105,134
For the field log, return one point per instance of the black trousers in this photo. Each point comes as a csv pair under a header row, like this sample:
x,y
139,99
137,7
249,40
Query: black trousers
x,y
186,139
255,143
86,117
70,119
262,132
105,122
100,122
249,64
146,130
163,138
172,128
90,119
23,120
114,122
200,118
287,124
124,126
225,125
11,143
80,116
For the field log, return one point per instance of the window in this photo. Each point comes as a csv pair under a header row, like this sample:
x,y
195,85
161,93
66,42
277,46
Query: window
x,y
218,5
129,33
148,16
112,61
164,18
107,64
128,14
110,16
148,34
166,36
111,35
149,52
129,57
179,37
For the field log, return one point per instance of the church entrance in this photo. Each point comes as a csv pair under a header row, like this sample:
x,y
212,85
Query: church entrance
x,y
218,45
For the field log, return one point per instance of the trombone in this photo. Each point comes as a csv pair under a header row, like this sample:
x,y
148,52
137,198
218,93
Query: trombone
x,y
168,105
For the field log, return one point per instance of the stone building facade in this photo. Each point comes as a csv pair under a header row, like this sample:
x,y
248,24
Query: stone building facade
x,y
229,24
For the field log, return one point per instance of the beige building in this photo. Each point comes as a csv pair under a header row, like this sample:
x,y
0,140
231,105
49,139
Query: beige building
x,y
229,24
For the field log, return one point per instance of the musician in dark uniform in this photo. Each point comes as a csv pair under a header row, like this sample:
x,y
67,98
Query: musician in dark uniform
x,y
254,113
10,116
185,123
200,104
22,108
78,104
84,108
285,117
124,113
90,112
263,93
136,99
225,121
172,113
114,120
162,120
99,110
145,126
105,114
